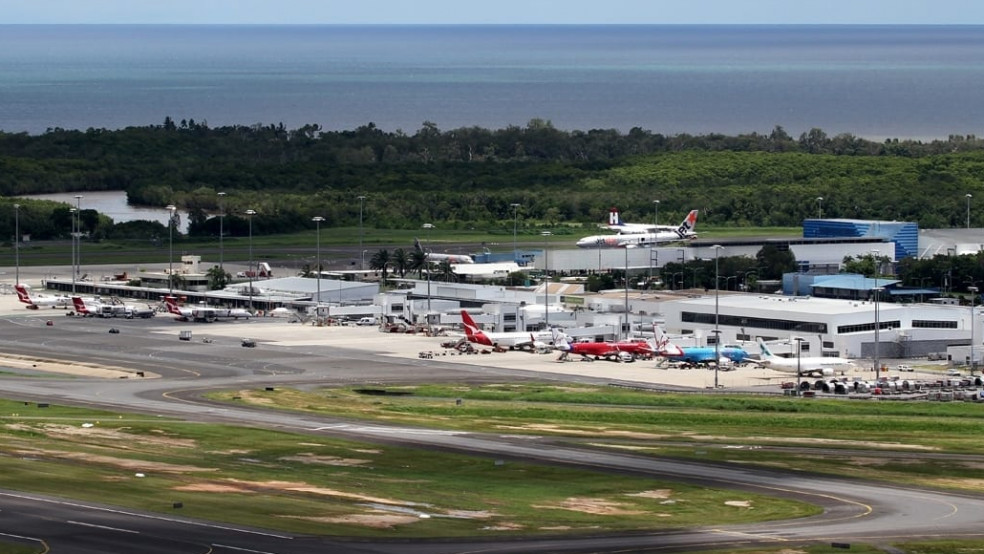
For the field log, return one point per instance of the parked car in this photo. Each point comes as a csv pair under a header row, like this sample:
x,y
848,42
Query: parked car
x,y
903,367
952,373
249,343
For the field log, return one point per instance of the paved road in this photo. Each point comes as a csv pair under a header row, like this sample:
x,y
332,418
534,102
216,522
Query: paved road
x,y
854,509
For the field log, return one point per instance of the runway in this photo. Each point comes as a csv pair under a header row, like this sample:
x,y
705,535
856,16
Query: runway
x,y
285,355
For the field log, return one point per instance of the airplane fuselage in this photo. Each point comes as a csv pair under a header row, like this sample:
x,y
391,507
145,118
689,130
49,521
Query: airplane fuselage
x,y
634,239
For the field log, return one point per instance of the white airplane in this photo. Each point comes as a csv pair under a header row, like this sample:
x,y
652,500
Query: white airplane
x,y
89,307
684,232
203,313
616,224
820,366
513,340
92,307
453,258
41,300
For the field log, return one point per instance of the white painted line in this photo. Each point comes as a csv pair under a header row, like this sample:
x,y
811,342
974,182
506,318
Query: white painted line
x,y
93,525
216,545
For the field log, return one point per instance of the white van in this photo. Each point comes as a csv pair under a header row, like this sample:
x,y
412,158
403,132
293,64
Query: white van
x,y
367,321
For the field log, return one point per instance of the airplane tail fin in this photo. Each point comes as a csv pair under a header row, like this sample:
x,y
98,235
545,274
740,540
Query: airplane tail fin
x,y
614,219
686,229
560,340
765,352
79,305
663,346
22,294
471,328
416,245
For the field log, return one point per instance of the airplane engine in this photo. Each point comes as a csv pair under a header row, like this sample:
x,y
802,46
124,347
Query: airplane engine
x,y
819,384
840,388
827,372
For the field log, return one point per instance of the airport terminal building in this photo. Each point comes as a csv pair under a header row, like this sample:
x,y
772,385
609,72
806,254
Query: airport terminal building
x,y
829,327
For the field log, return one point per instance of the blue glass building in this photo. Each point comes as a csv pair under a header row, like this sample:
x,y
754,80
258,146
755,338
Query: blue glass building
x,y
904,234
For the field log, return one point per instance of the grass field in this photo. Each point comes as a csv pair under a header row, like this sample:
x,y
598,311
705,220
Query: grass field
x,y
895,442
317,485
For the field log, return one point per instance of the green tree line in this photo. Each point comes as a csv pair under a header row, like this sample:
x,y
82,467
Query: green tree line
x,y
471,177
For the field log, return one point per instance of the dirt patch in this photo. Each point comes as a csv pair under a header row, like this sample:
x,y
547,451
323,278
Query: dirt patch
x,y
594,506
306,488
659,494
140,465
309,458
61,431
70,368
545,427
373,520
212,487
470,514
504,526
812,441
965,484
252,397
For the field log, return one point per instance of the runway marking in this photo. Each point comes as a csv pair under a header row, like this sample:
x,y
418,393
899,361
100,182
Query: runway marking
x,y
146,516
217,545
383,430
754,536
106,527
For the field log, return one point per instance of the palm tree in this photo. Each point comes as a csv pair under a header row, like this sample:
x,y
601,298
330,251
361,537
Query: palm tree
x,y
446,271
401,262
380,261
218,278
418,262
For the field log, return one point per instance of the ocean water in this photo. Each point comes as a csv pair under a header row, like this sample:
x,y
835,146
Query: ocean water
x,y
873,81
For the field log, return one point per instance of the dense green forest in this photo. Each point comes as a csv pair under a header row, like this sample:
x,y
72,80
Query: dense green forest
x,y
471,177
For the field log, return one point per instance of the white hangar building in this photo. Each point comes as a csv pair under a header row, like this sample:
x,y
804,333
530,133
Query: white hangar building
x,y
830,327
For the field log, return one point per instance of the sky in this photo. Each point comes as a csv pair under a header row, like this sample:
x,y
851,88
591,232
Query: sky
x,y
495,12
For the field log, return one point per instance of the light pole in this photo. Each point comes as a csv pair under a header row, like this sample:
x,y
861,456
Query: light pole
x,y
317,304
546,279
819,207
627,328
969,196
799,349
362,203
249,267
973,302
78,229
717,339
652,247
428,226
515,208
221,217
16,244
877,291
72,212
170,249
